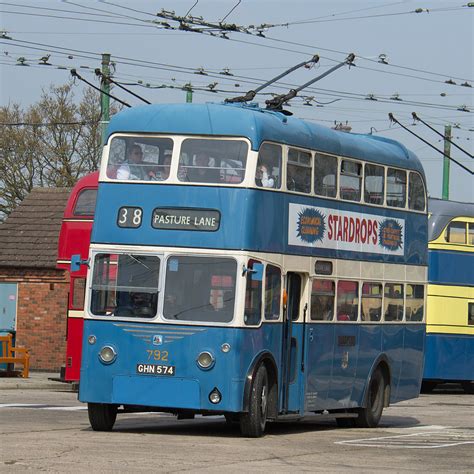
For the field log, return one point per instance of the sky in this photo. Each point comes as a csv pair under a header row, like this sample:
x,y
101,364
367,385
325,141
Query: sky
x,y
405,52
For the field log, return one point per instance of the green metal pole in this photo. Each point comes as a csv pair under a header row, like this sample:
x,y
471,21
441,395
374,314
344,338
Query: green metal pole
x,y
446,161
189,95
105,99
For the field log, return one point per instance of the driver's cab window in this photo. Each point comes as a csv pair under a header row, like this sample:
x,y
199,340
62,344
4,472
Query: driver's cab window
x,y
253,293
268,174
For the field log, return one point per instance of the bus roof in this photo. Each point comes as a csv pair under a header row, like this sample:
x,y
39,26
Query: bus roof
x,y
442,212
260,125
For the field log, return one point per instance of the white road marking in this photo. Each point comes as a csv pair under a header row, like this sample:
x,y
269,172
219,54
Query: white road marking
x,y
441,438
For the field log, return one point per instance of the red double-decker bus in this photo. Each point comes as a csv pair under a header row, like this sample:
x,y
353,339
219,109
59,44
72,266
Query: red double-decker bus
x,y
74,238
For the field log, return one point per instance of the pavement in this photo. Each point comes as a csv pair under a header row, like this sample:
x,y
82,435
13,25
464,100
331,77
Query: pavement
x,y
36,381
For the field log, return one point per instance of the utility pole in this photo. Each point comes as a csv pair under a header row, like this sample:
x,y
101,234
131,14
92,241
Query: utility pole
x,y
189,93
105,99
446,161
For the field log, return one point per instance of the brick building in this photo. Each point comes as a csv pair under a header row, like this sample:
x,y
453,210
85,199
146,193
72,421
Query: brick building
x,y
33,293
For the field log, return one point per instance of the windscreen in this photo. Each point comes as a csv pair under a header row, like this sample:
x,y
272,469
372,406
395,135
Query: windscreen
x,y
200,289
125,285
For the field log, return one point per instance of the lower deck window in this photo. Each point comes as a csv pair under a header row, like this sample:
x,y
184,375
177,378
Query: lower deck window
x,y
322,300
393,302
414,302
347,300
200,289
371,302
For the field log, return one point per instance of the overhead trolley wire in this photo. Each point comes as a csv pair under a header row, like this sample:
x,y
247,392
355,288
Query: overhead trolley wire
x,y
393,119
441,135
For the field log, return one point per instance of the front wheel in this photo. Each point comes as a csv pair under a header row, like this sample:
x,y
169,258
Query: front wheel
x,y
252,424
369,416
102,416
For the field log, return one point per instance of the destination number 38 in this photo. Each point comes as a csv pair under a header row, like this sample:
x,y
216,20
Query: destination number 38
x,y
130,217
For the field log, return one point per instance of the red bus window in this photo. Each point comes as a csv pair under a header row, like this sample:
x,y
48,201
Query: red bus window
x,y
78,293
85,204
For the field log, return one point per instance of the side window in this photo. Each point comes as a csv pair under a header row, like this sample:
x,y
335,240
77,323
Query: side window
x,y
371,302
347,300
471,234
325,175
470,314
272,292
416,193
374,184
268,174
414,302
322,300
456,233
85,204
396,187
350,180
298,171
253,294
78,293
393,302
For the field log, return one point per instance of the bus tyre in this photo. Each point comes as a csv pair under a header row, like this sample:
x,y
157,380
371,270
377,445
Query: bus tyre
x,y
101,416
252,424
369,416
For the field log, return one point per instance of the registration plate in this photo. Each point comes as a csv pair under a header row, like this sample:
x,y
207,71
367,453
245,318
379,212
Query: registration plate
x,y
154,369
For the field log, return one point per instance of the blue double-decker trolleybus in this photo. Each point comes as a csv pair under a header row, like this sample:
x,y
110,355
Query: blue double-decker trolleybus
x,y
253,265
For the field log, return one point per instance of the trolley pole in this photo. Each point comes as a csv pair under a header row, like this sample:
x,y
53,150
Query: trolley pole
x,y
446,160
105,99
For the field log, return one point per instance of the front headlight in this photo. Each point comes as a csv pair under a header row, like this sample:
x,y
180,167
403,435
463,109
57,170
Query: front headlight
x,y
107,354
205,360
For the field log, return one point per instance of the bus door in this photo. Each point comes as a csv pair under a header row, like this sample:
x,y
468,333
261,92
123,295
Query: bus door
x,y
292,346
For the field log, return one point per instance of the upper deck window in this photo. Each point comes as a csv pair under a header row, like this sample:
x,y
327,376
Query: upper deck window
x,y
374,184
416,192
140,158
212,161
456,233
85,204
325,175
471,233
268,174
350,181
396,187
298,171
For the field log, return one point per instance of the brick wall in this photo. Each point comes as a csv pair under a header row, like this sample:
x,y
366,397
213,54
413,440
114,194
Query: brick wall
x,y
41,314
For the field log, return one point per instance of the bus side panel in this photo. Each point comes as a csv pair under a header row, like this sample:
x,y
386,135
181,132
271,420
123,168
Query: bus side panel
x,y
412,367
449,357
392,346
370,347
452,268
178,346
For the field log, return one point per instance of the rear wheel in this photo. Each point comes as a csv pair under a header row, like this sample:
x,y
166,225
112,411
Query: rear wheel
x,y
102,416
252,424
369,416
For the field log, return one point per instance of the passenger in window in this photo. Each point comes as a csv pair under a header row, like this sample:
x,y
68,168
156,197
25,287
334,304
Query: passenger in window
x,y
202,172
263,177
162,172
132,168
291,178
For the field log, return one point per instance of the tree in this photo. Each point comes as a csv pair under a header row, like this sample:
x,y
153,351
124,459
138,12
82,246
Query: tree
x,y
58,143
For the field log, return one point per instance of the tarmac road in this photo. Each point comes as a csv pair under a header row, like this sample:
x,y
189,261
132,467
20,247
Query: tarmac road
x,y
47,429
